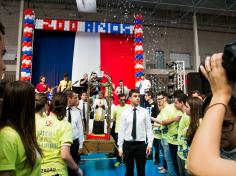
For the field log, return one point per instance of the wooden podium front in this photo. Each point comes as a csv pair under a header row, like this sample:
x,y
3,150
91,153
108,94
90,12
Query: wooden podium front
x,y
99,145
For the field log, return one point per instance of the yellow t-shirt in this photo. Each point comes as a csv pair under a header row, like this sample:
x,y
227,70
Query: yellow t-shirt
x,y
51,135
65,85
12,154
183,147
117,116
170,132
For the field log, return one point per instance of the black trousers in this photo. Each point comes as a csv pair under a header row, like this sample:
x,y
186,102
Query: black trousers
x,y
118,158
135,151
173,154
74,153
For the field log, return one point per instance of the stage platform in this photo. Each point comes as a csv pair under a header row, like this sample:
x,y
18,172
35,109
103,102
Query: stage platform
x,y
99,144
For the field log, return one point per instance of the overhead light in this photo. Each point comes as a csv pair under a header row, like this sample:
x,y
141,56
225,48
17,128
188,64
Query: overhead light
x,y
87,6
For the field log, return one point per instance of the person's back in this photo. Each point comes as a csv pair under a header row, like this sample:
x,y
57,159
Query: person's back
x,y
19,151
51,135
12,154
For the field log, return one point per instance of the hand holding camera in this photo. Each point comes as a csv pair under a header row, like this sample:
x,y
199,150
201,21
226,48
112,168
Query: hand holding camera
x,y
220,69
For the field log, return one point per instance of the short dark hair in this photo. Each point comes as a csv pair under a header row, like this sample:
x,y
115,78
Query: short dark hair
x,y
121,95
69,93
163,93
149,93
65,75
177,92
40,101
181,97
133,91
2,28
121,80
82,93
42,76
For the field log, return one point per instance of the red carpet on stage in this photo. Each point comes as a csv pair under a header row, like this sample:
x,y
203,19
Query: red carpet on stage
x,y
98,136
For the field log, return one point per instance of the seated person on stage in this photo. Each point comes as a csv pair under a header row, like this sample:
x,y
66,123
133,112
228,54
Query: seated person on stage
x,y
100,107
42,86
64,84
84,82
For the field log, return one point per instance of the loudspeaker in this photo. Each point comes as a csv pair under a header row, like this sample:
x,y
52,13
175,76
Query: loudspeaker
x,y
195,81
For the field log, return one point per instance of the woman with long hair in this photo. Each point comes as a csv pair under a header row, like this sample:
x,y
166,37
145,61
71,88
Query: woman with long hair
x,y
187,128
195,106
54,136
19,151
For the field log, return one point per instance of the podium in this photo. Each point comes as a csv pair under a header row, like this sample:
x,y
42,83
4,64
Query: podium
x,y
78,89
99,145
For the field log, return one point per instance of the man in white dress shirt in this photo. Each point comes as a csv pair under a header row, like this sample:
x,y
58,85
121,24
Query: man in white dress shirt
x,y
122,89
143,86
83,106
135,137
73,115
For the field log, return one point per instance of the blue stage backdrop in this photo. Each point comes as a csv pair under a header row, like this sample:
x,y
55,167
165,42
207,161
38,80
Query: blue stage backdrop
x,y
52,55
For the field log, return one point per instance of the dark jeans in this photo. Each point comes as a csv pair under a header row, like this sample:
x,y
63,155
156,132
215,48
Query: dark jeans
x,y
74,153
135,151
158,147
173,154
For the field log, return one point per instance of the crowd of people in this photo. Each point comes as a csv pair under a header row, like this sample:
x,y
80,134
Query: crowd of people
x,y
196,134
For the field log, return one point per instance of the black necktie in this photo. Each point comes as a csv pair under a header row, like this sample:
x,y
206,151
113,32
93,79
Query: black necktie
x,y
134,124
84,110
84,118
69,115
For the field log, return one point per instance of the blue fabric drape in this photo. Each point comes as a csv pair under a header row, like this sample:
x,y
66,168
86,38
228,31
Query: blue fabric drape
x,y
52,55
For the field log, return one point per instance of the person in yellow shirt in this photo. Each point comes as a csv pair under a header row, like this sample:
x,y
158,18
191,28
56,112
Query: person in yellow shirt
x,y
117,119
19,151
187,127
54,135
64,84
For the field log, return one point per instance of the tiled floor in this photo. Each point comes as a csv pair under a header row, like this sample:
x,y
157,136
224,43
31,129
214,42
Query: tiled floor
x,y
99,165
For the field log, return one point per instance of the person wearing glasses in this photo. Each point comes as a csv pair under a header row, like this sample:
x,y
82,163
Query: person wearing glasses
x,y
153,111
117,119
217,129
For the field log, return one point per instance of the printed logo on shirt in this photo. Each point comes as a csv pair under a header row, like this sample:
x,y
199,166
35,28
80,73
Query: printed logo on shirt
x,y
49,123
48,170
165,130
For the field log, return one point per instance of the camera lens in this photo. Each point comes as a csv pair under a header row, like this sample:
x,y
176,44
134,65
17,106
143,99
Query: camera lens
x,y
229,61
